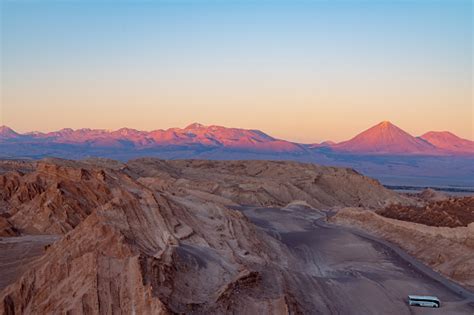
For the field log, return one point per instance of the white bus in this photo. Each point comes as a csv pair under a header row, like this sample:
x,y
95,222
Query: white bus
x,y
427,301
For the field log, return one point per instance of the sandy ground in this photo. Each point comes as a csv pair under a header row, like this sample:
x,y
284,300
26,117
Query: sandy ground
x,y
359,275
17,253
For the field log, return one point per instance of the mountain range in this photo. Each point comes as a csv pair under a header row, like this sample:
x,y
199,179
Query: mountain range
x,y
383,151
382,139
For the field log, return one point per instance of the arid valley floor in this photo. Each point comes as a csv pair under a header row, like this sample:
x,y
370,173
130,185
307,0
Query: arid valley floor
x,y
154,236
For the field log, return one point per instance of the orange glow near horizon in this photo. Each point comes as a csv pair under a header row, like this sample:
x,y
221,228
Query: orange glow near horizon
x,y
307,114
306,72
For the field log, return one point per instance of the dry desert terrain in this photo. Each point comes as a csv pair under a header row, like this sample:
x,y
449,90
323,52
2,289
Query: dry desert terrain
x,y
152,236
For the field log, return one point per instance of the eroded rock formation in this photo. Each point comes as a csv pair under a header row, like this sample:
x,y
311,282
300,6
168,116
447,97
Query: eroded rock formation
x,y
159,237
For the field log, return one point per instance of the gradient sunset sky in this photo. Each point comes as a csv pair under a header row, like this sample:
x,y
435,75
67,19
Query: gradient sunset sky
x,y
300,70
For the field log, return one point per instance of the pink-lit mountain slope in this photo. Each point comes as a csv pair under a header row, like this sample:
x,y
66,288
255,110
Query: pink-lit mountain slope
x,y
386,138
8,133
231,138
194,134
382,139
448,141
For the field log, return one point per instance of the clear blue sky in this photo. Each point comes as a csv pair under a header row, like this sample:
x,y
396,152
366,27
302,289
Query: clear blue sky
x,y
300,70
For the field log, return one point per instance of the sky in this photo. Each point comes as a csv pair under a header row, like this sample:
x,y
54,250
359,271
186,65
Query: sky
x,y
304,71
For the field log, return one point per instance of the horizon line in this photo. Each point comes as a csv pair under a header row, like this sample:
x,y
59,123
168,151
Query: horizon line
x,y
198,125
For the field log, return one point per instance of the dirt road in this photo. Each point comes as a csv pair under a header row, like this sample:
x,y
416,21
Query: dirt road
x,y
358,273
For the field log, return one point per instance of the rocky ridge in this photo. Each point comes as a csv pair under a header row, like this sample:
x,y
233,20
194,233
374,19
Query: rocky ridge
x,y
153,236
